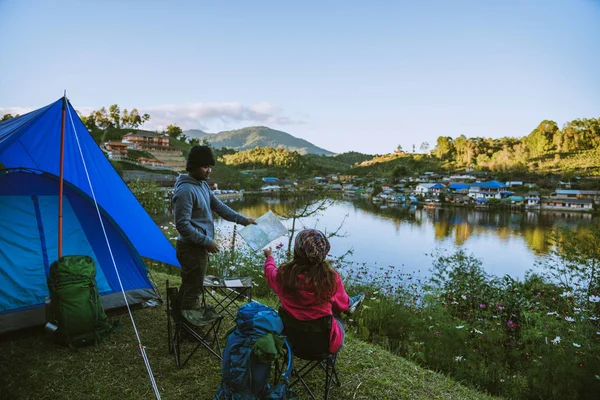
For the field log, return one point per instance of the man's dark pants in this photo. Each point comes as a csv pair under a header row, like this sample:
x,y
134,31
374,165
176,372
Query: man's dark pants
x,y
194,261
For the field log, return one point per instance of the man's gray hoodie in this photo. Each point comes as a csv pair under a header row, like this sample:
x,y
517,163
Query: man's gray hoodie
x,y
193,203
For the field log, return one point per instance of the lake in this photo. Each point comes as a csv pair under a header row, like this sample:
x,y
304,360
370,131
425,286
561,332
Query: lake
x,y
507,242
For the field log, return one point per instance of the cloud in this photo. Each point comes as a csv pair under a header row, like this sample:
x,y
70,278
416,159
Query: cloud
x,y
210,117
216,116
14,110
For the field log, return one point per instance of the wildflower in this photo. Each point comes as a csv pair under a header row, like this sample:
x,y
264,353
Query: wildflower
x,y
556,340
500,306
576,345
552,313
594,299
482,306
477,331
511,324
566,294
546,339
458,358
569,319
463,297
437,334
581,364
460,327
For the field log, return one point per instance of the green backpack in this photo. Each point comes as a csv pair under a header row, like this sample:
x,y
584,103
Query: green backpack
x,y
75,305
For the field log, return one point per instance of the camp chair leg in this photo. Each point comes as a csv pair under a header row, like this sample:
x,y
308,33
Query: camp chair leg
x,y
331,376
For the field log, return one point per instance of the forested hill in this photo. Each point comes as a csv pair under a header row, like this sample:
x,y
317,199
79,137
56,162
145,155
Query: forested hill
x,y
258,136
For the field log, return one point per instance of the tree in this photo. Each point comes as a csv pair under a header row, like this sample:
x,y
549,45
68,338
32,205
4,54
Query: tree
x,y
444,149
399,149
424,147
174,131
6,117
114,115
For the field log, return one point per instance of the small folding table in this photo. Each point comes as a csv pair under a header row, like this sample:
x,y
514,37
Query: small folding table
x,y
233,292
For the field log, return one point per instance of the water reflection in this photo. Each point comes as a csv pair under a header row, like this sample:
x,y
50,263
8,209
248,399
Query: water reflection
x,y
508,242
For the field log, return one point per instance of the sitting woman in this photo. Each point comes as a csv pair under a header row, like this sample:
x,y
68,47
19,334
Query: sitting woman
x,y
307,286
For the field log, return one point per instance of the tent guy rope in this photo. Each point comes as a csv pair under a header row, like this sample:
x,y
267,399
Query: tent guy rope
x,y
141,346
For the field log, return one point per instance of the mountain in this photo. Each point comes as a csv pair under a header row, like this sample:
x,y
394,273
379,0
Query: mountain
x,y
195,133
261,136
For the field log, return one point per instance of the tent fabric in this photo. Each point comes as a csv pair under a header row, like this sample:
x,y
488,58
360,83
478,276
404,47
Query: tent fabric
x,y
33,141
29,149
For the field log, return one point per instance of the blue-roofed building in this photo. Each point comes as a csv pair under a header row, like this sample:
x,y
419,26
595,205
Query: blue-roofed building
x,y
566,193
488,190
459,187
270,179
430,188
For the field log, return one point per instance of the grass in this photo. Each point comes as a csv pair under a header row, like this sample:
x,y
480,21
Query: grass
x,y
34,368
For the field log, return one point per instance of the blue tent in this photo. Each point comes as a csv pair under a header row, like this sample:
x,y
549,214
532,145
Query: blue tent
x,y
29,187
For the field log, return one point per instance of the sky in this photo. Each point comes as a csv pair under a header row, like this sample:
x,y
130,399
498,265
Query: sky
x,y
346,75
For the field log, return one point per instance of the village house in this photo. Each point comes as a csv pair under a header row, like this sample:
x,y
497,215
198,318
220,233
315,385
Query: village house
x,y
430,188
532,200
116,150
566,194
564,203
488,190
158,145
459,187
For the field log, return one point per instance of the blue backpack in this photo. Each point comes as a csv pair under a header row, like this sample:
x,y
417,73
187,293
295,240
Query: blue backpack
x,y
253,347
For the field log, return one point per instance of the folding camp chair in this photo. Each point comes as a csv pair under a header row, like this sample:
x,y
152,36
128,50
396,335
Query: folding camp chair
x,y
310,342
232,292
181,331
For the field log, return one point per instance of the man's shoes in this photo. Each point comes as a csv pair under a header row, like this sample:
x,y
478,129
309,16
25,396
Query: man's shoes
x,y
355,302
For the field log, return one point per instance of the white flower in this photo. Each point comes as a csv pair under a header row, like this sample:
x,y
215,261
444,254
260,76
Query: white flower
x,y
232,267
458,358
597,333
552,313
593,318
556,340
569,319
546,339
462,296
594,299
566,294
431,327
454,302
576,345
477,331
460,327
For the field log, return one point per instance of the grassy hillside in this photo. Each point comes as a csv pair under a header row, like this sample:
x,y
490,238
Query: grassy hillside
x,y
260,136
352,157
397,165
38,369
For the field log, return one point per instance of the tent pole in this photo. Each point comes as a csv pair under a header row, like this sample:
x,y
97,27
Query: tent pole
x,y
60,182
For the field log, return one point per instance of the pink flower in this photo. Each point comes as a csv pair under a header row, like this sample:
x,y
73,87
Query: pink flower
x,y
500,306
511,324
482,306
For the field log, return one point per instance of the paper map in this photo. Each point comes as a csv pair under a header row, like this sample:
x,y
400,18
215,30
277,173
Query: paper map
x,y
267,228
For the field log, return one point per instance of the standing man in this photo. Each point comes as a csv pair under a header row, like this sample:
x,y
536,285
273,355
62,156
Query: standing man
x,y
193,204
